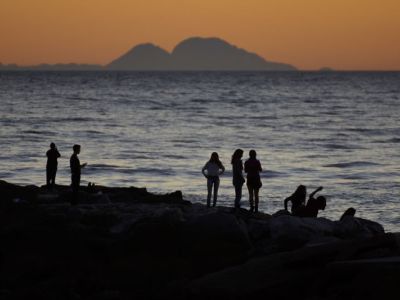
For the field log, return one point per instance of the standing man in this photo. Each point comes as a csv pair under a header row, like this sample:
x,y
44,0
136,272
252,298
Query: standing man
x,y
51,166
76,167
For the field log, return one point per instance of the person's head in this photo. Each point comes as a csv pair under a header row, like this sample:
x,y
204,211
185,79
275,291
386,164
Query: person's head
x,y
215,159
52,146
321,201
76,148
237,155
252,154
350,212
300,192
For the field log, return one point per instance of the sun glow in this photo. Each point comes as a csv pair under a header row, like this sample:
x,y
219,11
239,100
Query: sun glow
x,y
348,35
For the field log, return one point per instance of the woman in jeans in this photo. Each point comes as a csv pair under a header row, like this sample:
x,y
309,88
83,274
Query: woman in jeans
x,y
252,167
212,170
237,175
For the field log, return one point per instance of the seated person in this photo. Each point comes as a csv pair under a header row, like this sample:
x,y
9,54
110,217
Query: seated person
x,y
298,199
310,210
350,212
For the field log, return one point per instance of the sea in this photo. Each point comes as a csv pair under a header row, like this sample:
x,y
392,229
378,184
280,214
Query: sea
x,y
339,130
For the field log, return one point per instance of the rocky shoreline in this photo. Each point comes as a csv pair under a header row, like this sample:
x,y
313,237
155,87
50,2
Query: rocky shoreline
x,y
126,243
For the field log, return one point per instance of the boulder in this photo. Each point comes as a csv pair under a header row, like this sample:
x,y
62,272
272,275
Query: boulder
x,y
214,241
217,226
292,232
350,227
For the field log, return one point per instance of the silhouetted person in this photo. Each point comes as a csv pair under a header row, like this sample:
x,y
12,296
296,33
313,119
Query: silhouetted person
x,y
237,175
76,167
349,212
51,166
313,205
212,170
252,167
298,198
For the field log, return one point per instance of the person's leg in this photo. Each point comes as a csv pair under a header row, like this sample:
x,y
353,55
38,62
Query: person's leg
x,y
238,195
75,189
251,198
256,199
216,186
47,177
53,177
209,189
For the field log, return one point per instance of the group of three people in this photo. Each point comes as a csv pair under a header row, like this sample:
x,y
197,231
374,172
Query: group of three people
x,y
252,167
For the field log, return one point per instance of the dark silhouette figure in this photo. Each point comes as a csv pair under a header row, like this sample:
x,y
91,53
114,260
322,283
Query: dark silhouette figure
x,y
212,170
298,198
76,167
252,167
51,166
237,175
313,205
349,212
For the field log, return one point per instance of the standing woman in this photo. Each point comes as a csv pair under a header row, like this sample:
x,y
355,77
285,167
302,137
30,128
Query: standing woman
x,y
237,173
252,167
212,170
51,166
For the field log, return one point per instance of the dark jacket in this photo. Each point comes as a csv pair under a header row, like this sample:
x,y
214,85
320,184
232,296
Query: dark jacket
x,y
75,165
52,155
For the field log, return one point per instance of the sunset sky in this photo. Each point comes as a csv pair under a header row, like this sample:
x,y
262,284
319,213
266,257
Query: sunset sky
x,y
342,34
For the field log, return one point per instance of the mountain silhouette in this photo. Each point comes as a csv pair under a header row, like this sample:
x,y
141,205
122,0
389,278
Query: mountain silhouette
x,y
195,54
143,57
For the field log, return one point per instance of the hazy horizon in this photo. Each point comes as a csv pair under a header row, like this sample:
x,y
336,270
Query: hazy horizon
x,y
357,35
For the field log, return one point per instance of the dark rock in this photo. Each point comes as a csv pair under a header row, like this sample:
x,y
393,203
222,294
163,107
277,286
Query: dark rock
x,y
10,193
350,227
139,245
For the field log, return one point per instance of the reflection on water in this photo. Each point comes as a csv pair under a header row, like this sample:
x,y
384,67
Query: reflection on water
x,y
338,130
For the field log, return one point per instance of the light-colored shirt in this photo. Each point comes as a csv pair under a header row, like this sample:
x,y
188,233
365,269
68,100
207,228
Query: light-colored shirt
x,y
212,169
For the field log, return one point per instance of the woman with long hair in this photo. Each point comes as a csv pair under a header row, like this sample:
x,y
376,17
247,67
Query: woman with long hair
x,y
252,167
237,175
212,170
298,199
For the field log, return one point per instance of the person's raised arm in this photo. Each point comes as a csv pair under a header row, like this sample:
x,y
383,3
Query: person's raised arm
x,y
286,202
316,191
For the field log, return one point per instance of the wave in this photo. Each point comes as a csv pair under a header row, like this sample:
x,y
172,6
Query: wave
x,y
273,174
75,119
392,141
352,164
166,172
342,147
32,131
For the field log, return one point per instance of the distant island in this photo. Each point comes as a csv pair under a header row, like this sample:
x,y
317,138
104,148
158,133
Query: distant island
x,y
192,54
326,69
55,67
197,54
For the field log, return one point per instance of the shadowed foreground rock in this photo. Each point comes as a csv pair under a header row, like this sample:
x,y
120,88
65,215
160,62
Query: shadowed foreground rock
x,y
126,243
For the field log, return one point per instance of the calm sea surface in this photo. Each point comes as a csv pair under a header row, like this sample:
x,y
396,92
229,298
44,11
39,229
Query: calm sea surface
x,y
156,130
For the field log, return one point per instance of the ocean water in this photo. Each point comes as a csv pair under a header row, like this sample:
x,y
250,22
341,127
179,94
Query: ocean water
x,y
157,130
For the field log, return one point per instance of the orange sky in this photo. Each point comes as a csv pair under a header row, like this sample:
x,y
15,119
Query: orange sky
x,y
343,34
